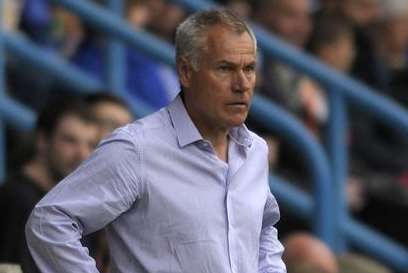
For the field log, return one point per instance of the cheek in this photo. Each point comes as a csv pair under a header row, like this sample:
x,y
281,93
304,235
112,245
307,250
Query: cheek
x,y
64,152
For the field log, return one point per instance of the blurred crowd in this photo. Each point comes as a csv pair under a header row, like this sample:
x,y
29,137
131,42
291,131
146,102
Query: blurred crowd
x,y
365,39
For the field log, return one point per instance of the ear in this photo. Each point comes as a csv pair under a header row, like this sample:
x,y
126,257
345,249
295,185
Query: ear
x,y
184,70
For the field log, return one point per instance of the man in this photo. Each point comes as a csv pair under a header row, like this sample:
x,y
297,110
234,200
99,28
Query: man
x,y
303,251
182,190
65,136
109,111
291,21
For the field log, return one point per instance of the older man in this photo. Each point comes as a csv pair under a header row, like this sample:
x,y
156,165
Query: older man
x,y
182,190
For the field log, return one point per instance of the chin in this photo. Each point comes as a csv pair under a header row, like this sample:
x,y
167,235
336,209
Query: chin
x,y
236,123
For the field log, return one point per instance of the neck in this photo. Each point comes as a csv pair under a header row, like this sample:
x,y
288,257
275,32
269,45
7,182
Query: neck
x,y
38,172
217,137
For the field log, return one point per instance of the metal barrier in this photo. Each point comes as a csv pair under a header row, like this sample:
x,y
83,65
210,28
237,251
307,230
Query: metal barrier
x,y
344,90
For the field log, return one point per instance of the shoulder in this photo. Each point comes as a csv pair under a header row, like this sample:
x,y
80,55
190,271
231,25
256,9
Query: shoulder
x,y
140,129
139,135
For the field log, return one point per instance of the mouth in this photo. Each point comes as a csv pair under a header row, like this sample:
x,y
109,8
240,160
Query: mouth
x,y
238,104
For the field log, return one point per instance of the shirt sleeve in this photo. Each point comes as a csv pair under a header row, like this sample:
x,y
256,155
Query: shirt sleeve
x,y
270,249
101,189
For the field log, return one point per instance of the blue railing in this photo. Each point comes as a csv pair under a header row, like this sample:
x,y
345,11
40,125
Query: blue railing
x,y
327,223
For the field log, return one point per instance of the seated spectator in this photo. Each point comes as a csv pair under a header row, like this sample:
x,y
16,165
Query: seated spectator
x,y
55,30
109,111
333,44
363,14
391,40
291,21
66,134
52,27
242,8
304,251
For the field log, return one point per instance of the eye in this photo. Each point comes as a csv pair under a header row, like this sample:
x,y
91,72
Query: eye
x,y
249,68
224,68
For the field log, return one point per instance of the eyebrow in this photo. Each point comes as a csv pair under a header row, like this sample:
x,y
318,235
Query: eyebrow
x,y
229,63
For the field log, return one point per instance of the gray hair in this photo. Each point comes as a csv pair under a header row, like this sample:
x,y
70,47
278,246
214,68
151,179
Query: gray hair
x,y
190,34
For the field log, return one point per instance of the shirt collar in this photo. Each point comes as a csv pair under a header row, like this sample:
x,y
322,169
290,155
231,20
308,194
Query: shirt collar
x,y
241,136
188,133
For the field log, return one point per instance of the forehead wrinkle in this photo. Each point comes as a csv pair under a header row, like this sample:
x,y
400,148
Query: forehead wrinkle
x,y
222,31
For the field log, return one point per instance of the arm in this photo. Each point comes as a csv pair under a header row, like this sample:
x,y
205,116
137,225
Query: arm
x,y
270,249
102,188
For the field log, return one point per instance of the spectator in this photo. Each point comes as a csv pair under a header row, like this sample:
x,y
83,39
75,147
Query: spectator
x,y
138,12
327,8
304,251
110,112
363,14
290,20
333,44
65,136
53,27
391,36
242,8
166,19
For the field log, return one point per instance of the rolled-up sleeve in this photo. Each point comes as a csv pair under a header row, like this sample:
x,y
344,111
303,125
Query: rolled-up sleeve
x,y
101,189
270,249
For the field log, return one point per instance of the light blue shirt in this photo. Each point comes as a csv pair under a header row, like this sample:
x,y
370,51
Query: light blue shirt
x,y
169,204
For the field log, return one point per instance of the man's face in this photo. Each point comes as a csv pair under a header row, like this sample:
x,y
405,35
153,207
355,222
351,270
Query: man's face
x,y
110,116
290,19
72,142
219,93
361,12
339,54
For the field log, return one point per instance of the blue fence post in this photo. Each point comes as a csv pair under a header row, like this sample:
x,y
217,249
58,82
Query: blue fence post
x,y
337,150
277,120
115,54
2,95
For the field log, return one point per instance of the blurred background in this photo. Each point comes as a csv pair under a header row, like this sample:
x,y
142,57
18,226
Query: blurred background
x,y
331,102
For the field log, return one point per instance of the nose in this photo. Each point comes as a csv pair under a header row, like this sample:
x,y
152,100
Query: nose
x,y
242,82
